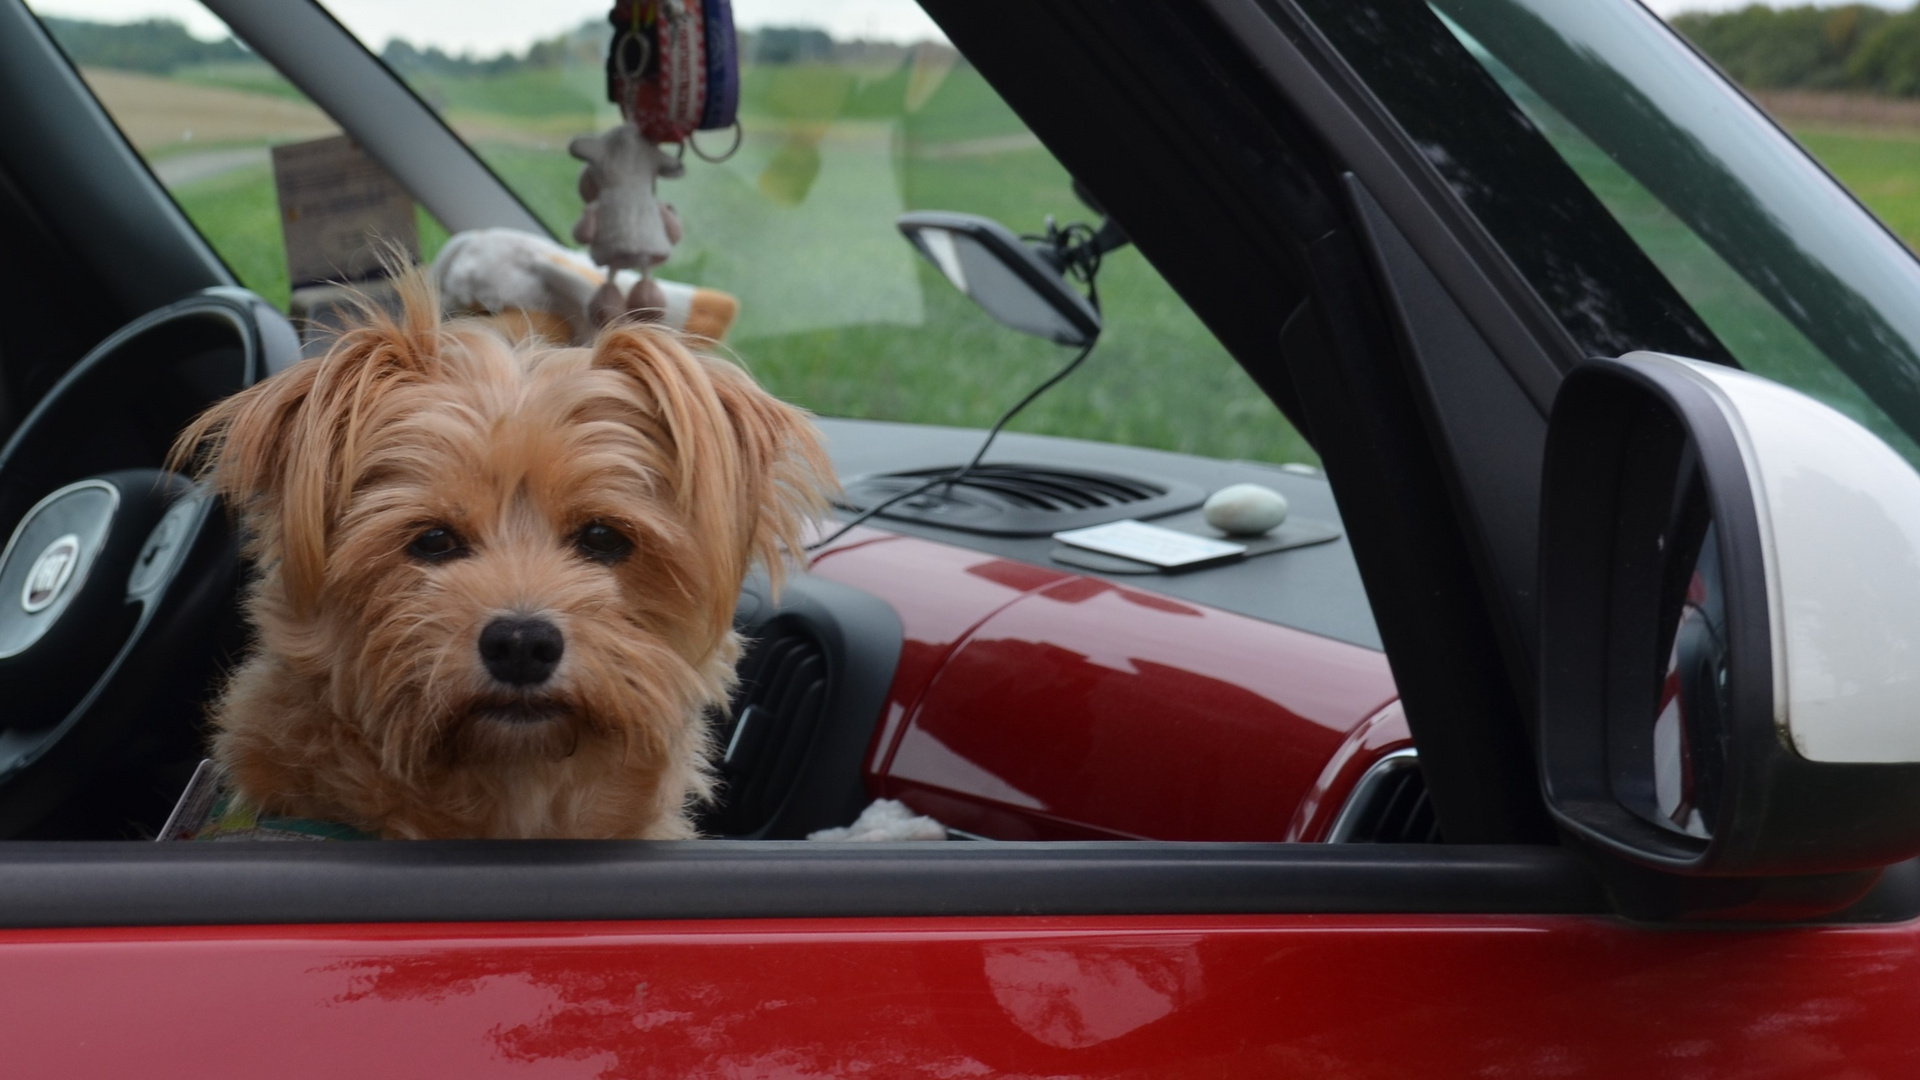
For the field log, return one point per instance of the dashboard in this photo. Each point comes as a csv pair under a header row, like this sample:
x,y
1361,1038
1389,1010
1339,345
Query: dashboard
x,y
1030,698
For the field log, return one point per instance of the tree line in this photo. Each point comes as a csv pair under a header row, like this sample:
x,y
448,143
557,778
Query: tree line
x,y
154,46
1858,47
162,46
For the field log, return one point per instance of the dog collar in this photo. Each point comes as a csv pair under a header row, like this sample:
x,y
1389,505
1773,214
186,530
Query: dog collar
x,y
209,810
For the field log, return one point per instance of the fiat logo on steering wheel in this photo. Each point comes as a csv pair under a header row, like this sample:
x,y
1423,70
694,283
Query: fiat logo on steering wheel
x,y
50,573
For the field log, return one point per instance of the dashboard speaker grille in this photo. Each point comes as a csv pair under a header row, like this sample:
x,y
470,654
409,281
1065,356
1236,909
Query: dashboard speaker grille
x,y
1023,500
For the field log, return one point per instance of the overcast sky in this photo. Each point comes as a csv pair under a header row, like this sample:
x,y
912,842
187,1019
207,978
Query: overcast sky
x,y
1672,7
491,26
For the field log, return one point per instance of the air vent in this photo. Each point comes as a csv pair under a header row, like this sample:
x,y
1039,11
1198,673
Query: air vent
x,y
1023,500
777,708
1388,806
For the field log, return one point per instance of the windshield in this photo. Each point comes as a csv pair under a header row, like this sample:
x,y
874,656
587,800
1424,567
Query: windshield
x,y
852,112
1766,255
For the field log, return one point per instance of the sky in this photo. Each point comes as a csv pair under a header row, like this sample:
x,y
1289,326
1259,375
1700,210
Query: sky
x,y
487,27
1674,7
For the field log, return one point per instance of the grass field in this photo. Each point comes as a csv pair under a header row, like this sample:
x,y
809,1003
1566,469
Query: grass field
x,y
1878,165
839,314
1882,168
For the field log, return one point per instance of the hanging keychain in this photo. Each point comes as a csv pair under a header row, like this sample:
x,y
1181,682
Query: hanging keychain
x,y
664,94
723,81
672,68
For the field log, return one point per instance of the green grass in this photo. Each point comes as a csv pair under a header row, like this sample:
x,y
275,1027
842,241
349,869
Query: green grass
x,y
1882,168
1758,335
902,344
534,93
251,76
240,215
840,316
1158,378
815,92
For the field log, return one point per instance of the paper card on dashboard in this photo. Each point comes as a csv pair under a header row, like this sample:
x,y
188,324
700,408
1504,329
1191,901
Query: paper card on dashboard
x,y
1151,544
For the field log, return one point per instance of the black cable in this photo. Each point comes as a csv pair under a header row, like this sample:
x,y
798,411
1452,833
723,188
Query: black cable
x,y
1077,250
994,432
961,473
866,515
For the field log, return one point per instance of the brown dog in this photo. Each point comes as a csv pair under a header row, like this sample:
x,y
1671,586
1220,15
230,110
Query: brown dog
x,y
495,582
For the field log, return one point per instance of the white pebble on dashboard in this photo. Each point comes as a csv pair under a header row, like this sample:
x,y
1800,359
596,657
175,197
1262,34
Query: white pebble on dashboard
x,y
1245,510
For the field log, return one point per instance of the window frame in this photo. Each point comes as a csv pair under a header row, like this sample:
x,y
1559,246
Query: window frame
x,y
107,883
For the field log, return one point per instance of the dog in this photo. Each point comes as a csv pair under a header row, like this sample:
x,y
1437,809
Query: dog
x,y
494,579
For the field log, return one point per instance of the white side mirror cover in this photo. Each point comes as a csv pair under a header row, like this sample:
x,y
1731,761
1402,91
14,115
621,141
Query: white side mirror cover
x,y
1840,533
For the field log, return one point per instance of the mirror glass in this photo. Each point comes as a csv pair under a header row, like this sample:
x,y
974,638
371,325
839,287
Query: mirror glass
x,y
1689,731
1691,709
982,273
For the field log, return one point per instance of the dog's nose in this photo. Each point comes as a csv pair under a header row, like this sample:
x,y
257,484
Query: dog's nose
x,y
521,652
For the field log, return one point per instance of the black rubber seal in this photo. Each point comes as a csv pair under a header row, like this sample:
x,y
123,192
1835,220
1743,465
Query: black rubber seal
x,y
185,883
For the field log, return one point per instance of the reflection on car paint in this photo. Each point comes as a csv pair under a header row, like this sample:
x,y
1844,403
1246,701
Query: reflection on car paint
x,y
941,592
1382,734
1084,709
1072,998
1186,996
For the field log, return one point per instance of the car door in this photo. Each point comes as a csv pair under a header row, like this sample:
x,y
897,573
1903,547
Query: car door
x,y
1401,325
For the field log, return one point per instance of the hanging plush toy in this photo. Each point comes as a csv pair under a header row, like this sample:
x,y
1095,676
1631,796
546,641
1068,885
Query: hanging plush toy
x,y
533,286
672,71
624,224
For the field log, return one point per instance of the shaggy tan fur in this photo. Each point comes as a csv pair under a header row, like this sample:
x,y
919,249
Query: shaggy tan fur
x,y
365,700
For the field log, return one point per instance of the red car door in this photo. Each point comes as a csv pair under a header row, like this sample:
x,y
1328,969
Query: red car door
x,y
1420,348
1301,995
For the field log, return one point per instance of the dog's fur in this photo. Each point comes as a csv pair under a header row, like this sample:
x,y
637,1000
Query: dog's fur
x,y
365,700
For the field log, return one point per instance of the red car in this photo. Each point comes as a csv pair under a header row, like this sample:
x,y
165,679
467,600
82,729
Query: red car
x,y
1576,743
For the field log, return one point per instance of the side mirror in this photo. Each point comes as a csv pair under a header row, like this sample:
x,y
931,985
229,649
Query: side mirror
x,y
1729,640
1016,283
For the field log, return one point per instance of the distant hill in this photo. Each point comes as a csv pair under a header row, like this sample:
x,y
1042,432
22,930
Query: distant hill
x,y
156,46
161,46
586,42
1856,47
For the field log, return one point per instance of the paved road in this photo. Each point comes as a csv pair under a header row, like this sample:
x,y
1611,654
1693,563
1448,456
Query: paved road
x,y
206,164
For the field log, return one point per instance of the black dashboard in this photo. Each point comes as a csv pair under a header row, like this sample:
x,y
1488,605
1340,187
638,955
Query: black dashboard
x,y
1315,588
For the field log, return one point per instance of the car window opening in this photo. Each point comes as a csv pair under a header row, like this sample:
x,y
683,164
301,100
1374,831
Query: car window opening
x,y
839,136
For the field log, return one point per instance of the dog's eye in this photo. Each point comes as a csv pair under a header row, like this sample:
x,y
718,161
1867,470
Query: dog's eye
x,y
601,542
437,544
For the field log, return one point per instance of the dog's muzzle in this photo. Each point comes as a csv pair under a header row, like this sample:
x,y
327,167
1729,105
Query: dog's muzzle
x,y
521,651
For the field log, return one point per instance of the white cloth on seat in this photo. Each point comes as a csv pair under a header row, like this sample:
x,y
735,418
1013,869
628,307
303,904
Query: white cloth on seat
x,y
886,819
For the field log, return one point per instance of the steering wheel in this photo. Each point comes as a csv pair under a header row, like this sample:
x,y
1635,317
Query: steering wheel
x,y
117,575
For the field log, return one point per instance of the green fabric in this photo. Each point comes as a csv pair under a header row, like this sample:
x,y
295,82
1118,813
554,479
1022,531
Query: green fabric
x,y
235,819
209,810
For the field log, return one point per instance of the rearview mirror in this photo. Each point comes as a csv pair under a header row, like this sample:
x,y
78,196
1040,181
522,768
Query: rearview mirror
x,y
1013,281
1730,638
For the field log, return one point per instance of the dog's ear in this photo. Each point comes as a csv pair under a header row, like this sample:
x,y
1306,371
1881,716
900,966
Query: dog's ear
x,y
747,465
283,452
788,474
